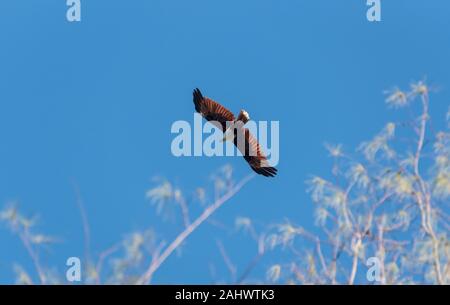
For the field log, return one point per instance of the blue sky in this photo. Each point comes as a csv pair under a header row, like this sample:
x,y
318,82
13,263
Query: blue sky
x,y
93,102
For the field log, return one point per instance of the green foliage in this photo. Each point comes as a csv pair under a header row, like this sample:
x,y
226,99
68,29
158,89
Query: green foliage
x,y
388,200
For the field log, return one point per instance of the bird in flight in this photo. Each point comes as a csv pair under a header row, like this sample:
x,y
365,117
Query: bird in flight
x,y
234,130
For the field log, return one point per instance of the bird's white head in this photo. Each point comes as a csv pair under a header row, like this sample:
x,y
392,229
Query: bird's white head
x,y
243,116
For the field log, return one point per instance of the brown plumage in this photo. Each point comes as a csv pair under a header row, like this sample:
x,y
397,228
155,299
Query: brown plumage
x,y
242,138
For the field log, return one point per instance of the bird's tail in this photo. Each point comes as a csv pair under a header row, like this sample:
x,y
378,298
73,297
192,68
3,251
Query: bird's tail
x,y
267,171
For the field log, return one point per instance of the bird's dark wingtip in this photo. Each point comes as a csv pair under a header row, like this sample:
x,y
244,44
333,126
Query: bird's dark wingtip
x,y
198,97
197,93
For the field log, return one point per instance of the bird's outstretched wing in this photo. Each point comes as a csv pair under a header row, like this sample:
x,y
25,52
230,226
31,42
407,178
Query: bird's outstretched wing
x,y
252,153
212,111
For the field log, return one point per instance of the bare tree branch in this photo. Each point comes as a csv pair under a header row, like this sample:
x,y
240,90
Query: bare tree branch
x,y
154,265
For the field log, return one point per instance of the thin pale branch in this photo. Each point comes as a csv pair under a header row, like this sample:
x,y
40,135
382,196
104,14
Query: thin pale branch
x,y
84,219
231,267
155,264
33,255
